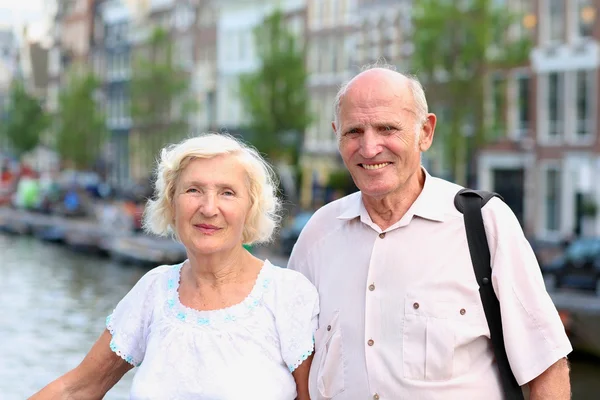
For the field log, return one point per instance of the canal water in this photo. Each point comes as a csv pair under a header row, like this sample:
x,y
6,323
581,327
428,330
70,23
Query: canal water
x,y
54,303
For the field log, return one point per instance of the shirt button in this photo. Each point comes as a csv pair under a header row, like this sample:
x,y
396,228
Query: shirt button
x,y
370,342
376,396
328,328
462,311
371,287
382,235
416,305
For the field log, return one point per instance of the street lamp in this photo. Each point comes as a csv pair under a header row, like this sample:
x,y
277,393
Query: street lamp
x,y
529,21
587,14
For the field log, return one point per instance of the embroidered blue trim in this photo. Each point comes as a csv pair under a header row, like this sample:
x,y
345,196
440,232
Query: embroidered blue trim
x,y
226,315
116,349
303,357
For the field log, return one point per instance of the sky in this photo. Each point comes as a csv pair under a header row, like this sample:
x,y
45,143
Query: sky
x,y
17,13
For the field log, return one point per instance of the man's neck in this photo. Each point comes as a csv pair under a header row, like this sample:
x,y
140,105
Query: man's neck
x,y
389,209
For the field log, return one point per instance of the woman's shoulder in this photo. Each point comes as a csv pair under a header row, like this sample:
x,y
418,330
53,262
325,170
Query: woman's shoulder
x,y
157,273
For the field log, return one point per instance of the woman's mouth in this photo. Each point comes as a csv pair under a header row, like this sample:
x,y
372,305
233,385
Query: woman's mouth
x,y
207,228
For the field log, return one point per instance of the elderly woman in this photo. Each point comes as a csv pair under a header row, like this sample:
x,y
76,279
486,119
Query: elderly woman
x,y
223,324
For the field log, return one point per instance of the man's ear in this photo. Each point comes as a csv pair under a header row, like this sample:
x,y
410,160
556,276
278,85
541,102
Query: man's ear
x,y
427,132
334,127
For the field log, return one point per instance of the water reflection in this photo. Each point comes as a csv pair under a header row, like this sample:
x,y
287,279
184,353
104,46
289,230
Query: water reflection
x,y
54,304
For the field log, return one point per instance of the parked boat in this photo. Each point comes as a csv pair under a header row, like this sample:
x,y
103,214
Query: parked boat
x,y
146,250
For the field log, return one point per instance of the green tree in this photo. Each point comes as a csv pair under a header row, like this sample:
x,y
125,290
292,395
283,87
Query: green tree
x,y
161,104
275,96
26,120
458,47
80,124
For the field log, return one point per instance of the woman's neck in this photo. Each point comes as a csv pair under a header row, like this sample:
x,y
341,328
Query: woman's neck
x,y
222,268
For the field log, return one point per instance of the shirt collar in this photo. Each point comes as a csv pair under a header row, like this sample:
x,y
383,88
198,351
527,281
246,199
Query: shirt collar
x,y
427,205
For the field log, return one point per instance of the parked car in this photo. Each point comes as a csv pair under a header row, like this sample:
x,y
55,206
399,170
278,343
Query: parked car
x,y
578,267
289,234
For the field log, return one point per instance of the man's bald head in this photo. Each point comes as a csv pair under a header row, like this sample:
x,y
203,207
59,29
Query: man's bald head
x,y
384,77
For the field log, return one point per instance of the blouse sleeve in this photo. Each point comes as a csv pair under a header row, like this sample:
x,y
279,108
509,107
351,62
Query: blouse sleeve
x,y
129,323
296,318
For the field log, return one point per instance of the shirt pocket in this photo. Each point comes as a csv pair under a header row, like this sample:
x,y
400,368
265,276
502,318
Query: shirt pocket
x,y
431,333
326,378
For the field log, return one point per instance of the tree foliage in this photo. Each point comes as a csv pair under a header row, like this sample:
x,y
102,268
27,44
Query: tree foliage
x,y
160,99
275,96
80,123
458,45
26,120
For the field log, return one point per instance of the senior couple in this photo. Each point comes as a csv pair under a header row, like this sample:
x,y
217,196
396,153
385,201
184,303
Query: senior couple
x,y
379,300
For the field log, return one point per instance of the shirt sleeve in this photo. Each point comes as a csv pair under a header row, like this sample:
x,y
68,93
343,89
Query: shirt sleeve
x,y
534,335
129,323
297,310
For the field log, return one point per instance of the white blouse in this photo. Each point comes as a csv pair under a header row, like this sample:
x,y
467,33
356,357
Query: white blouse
x,y
246,351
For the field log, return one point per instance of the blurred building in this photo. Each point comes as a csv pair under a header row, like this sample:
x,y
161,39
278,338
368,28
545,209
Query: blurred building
x,y
33,67
203,30
236,50
331,29
547,165
8,68
111,60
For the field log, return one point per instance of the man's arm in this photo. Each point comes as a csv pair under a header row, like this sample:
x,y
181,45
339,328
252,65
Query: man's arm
x,y
552,384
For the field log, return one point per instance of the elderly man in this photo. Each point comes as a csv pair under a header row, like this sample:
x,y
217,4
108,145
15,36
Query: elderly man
x,y
401,315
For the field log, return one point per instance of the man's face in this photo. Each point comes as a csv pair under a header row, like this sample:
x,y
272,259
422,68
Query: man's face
x,y
381,137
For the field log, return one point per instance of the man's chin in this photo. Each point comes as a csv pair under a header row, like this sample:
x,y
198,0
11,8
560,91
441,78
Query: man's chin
x,y
375,193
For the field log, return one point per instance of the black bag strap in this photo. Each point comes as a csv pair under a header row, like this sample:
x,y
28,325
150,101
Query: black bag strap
x,y
470,202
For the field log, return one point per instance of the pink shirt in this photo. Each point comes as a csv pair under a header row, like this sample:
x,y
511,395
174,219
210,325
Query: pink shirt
x,y
401,316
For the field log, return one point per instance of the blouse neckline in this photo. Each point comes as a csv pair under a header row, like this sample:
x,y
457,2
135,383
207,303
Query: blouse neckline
x,y
218,316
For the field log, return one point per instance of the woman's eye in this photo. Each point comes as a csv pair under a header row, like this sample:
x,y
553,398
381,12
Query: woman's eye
x,y
228,193
192,190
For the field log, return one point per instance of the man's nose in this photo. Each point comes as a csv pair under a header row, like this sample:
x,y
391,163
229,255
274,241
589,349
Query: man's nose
x,y
370,144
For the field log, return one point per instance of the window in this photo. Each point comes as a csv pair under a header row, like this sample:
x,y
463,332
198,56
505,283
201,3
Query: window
x,y
211,114
522,104
552,199
584,87
556,20
498,105
243,45
586,15
555,114
334,55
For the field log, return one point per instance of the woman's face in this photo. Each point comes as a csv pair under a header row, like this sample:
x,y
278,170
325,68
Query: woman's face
x,y
211,203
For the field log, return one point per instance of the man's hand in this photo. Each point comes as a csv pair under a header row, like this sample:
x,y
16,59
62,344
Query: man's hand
x,y
553,383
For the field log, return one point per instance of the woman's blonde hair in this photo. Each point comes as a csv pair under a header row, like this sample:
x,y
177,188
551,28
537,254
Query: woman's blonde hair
x,y
263,218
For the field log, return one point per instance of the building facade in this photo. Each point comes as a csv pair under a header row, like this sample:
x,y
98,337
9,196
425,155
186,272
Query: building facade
x,y
236,50
332,27
550,157
111,59
8,68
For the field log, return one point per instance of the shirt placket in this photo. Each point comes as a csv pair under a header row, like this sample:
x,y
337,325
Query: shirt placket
x,y
373,315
